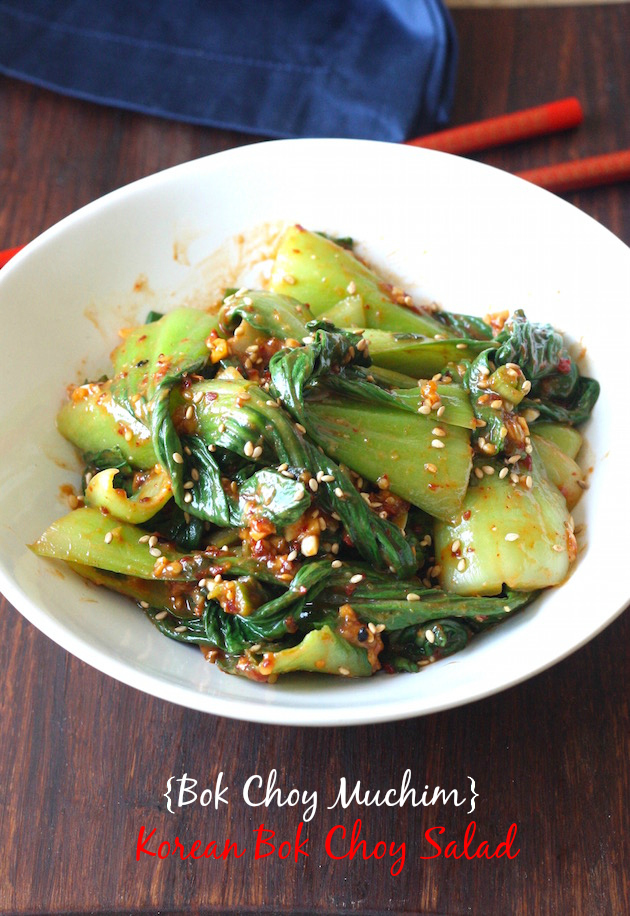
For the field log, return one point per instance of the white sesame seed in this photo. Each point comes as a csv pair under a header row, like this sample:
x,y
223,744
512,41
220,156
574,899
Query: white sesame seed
x,y
511,536
431,468
344,671
437,443
187,497
177,458
355,579
292,556
503,473
327,478
159,616
478,473
189,412
197,396
461,346
248,449
527,387
194,474
557,548
425,409
514,459
461,566
155,551
497,404
181,629
336,564
488,469
456,545
257,452
429,635
412,596
440,411
529,482
153,541
109,537
188,485
438,431
339,493
514,477
300,428
313,485
144,539
351,287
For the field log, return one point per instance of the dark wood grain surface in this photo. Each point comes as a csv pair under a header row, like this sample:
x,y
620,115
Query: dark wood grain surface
x,y
84,760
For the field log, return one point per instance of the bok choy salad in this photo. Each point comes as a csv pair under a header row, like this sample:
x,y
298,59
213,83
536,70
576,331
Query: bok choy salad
x,y
320,476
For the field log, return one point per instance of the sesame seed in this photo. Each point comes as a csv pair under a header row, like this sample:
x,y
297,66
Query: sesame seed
x,y
437,377
144,539
497,404
431,468
488,469
128,435
188,485
189,412
429,635
313,485
248,449
283,467
362,344
355,579
153,541
478,473
335,548
177,458
412,596
336,564
437,443
257,452
527,387
438,431
218,578
512,536
159,616
351,287
379,627
514,477
197,396
425,409
461,566
292,556
440,411
339,493
212,447
514,459
383,482
344,671
461,346
327,478
194,474
529,483
187,497
371,627
109,537
456,545
557,548
155,551
181,629
503,473
300,428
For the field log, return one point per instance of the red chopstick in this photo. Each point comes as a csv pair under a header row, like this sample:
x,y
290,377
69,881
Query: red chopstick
x,y
609,168
8,253
510,128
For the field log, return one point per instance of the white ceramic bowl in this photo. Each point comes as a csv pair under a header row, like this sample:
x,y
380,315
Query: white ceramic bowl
x,y
467,236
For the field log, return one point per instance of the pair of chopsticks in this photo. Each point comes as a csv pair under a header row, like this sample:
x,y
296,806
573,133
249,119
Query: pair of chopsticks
x,y
511,128
524,125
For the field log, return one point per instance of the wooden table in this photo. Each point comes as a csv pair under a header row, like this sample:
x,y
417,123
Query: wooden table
x,y
84,759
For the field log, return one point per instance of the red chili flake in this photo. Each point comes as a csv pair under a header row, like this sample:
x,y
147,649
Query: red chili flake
x,y
564,365
466,515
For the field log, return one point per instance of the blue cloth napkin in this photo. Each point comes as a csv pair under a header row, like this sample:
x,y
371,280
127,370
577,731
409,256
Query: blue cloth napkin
x,y
380,69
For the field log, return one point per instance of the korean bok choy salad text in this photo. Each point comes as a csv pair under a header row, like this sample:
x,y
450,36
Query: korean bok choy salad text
x,y
320,476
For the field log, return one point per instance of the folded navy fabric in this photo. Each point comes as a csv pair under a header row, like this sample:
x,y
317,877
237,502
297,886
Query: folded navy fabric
x,y
380,69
